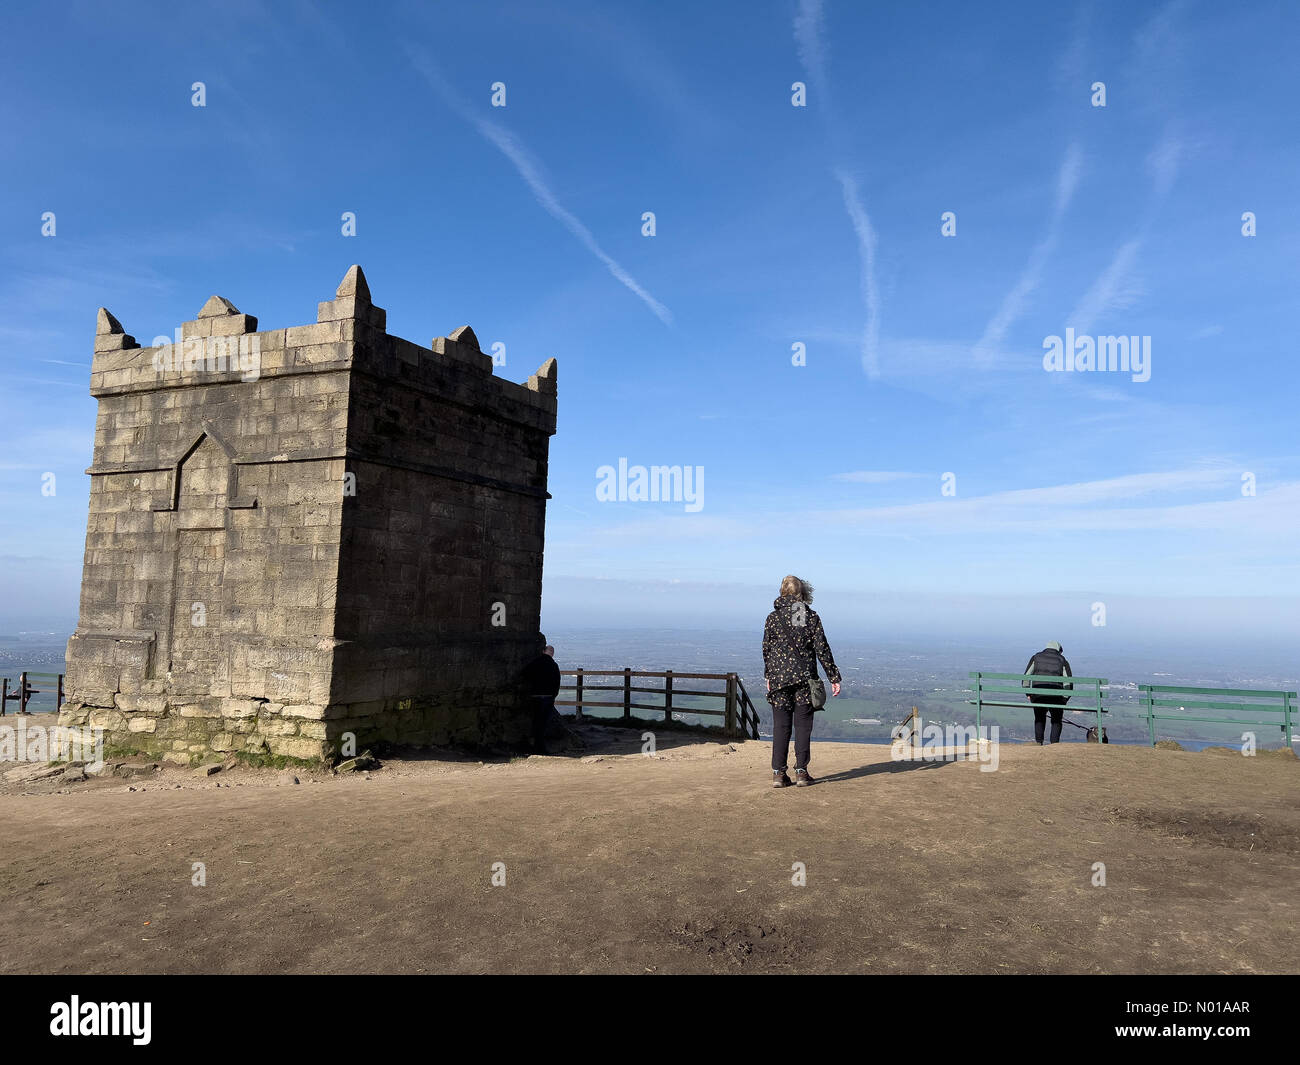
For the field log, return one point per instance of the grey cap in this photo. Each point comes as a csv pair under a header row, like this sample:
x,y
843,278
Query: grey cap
x,y
1052,645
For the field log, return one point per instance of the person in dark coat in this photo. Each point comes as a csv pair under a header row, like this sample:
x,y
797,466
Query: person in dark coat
x,y
1049,662
541,684
793,643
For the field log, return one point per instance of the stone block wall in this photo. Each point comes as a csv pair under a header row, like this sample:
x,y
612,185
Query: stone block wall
x,y
308,535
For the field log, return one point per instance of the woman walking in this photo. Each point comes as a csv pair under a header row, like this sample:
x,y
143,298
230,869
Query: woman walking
x,y
793,642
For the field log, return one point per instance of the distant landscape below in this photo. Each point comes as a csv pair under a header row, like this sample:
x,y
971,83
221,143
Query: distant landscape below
x,y
883,678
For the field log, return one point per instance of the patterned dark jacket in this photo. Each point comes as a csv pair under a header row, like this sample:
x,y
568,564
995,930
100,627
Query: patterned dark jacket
x,y
793,641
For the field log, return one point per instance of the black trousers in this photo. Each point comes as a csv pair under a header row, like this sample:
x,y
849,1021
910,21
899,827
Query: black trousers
x,y
1040,717
791,708
543,711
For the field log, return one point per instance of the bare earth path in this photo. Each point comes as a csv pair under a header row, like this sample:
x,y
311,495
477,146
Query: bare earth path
x,y
680,863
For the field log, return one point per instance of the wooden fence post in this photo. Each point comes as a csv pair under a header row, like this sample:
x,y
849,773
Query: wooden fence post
x,y
578,689
668,697
627,693
730,719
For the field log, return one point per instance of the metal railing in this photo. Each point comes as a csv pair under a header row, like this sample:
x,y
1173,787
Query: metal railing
x,y
1171,697
739,716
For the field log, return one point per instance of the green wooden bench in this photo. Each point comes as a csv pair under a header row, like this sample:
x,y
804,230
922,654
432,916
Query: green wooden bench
x,y
1158,698
1089,694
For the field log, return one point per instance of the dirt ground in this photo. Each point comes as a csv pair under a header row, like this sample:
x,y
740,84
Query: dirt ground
x,y
683,862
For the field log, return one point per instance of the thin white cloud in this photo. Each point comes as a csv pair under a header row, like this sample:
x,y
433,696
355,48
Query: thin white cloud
x,y
1136,503
1072,508
875,476
866,235
42,381
1071,69
1158,48
1112,489
1067,180
674,526
1116,288
618,42
808,43
530,170
812,54
513,150
1015,301
1164,162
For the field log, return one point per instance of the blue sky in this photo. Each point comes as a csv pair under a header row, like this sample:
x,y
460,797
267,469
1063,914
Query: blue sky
x,y
776,225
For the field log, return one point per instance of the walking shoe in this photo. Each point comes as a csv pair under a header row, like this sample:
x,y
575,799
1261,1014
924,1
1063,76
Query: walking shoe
x,y
779,779
802,779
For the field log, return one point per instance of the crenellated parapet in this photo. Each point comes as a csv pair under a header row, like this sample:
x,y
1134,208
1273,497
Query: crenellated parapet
x,y
302,534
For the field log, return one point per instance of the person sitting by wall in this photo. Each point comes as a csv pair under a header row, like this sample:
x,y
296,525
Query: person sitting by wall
x,y
541,684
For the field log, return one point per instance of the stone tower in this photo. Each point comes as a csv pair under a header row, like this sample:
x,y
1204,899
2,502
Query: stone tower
x,y
305,533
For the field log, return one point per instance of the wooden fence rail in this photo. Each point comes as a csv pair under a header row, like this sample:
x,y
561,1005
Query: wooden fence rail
x,y
52,685
737,710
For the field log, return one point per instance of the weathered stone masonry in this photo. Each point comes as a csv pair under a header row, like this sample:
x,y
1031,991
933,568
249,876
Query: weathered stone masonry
x,y
310,542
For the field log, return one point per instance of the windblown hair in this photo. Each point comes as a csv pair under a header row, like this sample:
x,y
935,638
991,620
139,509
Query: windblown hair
x,y
799,589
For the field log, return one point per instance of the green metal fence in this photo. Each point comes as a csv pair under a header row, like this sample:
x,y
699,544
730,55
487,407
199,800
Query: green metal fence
x,y
995,689
1160,697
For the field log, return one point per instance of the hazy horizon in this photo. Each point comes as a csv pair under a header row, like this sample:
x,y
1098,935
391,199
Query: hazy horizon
x,y
1240,632
694,605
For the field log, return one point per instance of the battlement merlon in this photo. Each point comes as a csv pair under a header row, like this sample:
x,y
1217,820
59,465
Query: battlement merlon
x,y
222,346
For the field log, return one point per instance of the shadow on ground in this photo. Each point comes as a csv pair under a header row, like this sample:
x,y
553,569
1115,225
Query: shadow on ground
x,y
581,738
881,767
